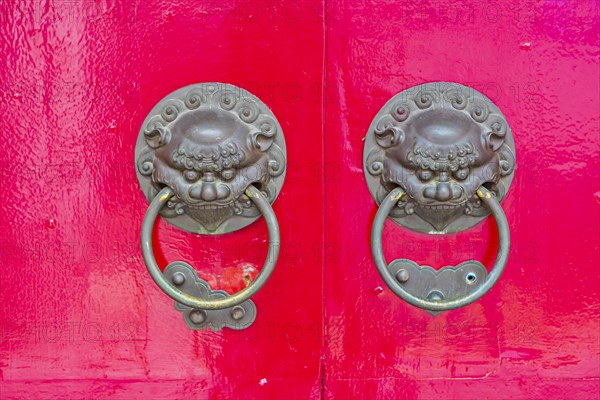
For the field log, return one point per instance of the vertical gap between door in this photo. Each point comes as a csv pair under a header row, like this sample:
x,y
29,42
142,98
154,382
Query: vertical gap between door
x,y
323,357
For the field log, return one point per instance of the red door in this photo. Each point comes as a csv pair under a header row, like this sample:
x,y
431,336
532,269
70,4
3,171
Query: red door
x,y
81,317
536,333
87,321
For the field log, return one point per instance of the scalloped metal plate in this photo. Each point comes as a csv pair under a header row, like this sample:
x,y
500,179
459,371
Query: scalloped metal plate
x,y
447,283
213,319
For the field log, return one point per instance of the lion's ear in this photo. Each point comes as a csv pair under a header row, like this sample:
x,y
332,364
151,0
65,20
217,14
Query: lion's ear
x,y
389,137
265,136
157,137
261,140
276,161
493,140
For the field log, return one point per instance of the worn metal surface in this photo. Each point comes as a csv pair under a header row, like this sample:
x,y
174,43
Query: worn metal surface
x,y
446,283
171,290
440,293
208,142
185,278
440,142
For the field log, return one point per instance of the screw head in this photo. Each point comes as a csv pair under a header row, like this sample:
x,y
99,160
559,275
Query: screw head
x,y
402,276
178,279
197,316
238,312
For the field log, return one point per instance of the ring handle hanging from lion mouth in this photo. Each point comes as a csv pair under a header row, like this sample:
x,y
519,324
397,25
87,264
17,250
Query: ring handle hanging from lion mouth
x,y
435,302
438,158
179,296
210,158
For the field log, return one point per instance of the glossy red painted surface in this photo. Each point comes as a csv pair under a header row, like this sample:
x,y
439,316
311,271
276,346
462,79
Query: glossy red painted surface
x,y
536,334
80,316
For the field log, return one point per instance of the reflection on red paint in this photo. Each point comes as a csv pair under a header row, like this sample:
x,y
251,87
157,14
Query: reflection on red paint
x,y
80,315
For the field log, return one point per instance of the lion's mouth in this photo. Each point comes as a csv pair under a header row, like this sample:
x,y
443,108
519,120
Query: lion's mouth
x,y
211,216
439,206
209,206
439,215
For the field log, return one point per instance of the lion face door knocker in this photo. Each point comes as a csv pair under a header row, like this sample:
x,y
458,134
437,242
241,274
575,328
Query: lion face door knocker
x,y
210,159
439,158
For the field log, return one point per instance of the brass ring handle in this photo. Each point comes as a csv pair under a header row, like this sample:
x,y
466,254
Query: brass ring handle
x,y
431,304
172,291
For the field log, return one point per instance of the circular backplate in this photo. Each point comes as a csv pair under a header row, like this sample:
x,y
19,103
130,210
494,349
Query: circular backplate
x,y
208,142
440,142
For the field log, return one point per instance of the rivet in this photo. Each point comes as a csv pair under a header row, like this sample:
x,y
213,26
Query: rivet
x,y
238,312
435,296
178,279
197,316
402,276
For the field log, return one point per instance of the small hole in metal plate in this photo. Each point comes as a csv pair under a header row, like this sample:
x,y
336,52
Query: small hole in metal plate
x,y
471,278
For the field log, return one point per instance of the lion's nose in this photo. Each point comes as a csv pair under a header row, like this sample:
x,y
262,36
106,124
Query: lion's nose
x,y
443,191
223,191
209,191
206,191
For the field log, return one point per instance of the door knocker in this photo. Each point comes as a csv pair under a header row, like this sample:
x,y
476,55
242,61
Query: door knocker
x,y
439,158
210,159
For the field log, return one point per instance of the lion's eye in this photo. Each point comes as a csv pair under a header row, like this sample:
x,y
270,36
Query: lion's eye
x,y
461,174
191,176
227,174
424,175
